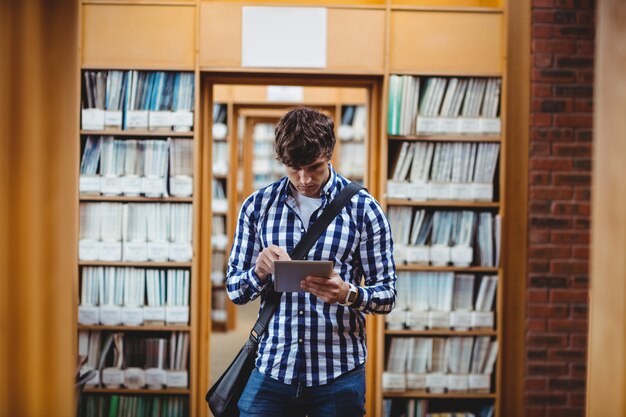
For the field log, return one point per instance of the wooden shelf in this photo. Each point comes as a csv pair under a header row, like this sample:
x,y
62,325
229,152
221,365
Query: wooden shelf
x,y
448,9
441,332
151,328
442,203
133,199
137,264
455,395
448,138
430,268
137,133
143,391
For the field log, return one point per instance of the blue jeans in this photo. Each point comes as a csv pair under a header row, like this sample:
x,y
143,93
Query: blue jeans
x,y
267,397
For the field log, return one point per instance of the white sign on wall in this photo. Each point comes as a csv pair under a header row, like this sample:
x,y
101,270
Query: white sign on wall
x,y
283,37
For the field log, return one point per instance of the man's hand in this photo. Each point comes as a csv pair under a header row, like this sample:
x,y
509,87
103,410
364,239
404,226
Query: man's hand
x,y
265,261
330,290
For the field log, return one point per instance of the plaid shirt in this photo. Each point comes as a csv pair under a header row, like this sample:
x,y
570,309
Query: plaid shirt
x,y
307,340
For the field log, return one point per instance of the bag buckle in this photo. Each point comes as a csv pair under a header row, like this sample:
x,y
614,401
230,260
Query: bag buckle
x,y
254,335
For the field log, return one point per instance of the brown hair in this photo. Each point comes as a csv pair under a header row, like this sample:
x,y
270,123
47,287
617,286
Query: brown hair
x,y
302,136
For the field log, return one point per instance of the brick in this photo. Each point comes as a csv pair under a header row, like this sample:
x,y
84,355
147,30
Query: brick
x,y
584,76
540,207
551,222
572,237
577,400
576,32
536,325
554,75
556,106
584,47
553,46
573,120
550,193
535,412
567,384
579,370
574,4
547,340
582,194
552,134
561,208
539,148
550,163
582,281
542,31
569,296
548,282
580,311
584,135
540,178
539,236
535,384
535,295
574,62
584,106
570,326
547,369
541,90
549,252
564,17
573,91
586,18
567,355
544,16
569,267
572,179
580,150
541,119
537,311
538,266
537,354
545,399
582,223
582,164
565,412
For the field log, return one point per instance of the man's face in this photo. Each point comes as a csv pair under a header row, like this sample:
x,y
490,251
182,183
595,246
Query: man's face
x,y
309,179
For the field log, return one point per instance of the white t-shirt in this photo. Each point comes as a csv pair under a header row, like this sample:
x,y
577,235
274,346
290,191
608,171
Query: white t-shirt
x,y
306,206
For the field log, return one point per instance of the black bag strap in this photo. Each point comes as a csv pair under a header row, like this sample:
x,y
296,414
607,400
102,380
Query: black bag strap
x,y
301,250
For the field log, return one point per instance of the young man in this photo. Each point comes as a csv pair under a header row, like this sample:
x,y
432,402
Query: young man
x,y
311,358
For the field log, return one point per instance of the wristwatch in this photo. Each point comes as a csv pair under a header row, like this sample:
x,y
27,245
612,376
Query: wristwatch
x,y
350,296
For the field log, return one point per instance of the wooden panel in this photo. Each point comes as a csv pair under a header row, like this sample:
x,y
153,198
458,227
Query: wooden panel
x,y
447,3
39,131
446,43
356,40
220,35
334,3
135,36
607,339
353,96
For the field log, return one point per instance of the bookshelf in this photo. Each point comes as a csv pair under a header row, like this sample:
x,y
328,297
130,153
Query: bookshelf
x,y
137,276
423,113
368,42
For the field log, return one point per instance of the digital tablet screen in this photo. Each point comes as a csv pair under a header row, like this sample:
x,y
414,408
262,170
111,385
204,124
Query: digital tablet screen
x,y
288,274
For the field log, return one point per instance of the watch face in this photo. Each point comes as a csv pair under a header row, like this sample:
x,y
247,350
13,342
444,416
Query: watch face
x,y
351,296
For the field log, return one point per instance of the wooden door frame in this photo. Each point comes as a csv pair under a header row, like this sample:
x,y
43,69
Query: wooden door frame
x,y
374,86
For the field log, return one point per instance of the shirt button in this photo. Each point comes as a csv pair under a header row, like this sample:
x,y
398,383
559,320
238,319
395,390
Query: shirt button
x,y
302,230
300,340
301,312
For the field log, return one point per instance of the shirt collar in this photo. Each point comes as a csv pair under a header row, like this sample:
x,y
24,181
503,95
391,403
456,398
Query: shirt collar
x,y
328,191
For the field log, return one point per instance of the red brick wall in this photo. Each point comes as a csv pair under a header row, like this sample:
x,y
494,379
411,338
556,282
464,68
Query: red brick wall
x,y
563,34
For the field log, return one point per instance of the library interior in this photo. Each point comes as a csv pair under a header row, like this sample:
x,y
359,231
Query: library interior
x,y
489,132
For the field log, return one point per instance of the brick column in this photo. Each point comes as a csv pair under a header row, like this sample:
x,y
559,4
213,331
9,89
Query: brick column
x,y
559,207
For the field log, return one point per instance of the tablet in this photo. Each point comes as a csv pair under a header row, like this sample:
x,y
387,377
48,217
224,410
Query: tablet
x,y
288,274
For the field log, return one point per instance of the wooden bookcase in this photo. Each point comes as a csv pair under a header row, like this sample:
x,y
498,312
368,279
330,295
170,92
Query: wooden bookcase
x,y
369,40
470,43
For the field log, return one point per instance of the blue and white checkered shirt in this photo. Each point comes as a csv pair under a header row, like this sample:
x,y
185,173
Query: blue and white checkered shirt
x,y
307,340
